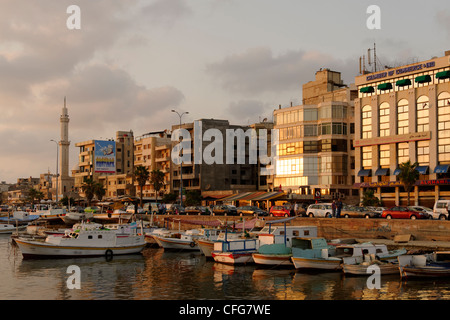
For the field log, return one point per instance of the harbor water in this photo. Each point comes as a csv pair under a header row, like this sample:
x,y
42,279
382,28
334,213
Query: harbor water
x,y
158,275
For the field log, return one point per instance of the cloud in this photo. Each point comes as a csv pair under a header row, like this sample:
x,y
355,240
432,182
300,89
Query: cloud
x,y
258,70
247,112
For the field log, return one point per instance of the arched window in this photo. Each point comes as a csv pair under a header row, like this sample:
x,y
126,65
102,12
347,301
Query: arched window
x,y
384,119
402,117
423,113
444,127
366,128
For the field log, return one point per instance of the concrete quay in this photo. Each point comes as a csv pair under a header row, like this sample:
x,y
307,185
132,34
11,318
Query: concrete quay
x,y
415,235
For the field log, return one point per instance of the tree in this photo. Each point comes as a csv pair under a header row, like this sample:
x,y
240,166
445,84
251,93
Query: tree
x,y
141,174
408,176
34,194
99,191
88,188
369,198
193,198
157,181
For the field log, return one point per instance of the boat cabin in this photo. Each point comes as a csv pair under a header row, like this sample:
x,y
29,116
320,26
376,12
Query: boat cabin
x,y
285,234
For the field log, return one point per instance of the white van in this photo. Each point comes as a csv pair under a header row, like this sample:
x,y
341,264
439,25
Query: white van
x,y
440,209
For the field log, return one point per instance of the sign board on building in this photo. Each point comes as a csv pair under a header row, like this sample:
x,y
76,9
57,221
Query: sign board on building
x,y
105,156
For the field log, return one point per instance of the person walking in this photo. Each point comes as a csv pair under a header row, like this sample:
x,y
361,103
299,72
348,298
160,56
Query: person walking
x,y
338,208
333,209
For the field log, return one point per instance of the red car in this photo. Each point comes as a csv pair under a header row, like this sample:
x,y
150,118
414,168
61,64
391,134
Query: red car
x,y
403,213
279,211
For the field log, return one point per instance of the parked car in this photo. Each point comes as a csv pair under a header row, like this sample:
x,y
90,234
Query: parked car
x,y
403,213
279,211
197,210
429,211
251,210
319,210
130,209
223,209
440,210
359,212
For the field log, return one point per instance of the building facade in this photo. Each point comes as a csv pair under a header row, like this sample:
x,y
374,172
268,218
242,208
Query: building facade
x,y
315,154
404,114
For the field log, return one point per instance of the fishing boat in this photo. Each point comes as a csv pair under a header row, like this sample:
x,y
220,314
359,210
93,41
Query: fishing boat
x,y
84,241
433,265
185,240
19,218
235,251
52,214
10,228
206,245
314,253
74,217
275,242
368,263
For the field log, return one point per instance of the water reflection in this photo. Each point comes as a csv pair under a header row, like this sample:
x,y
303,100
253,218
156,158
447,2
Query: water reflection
x,y
159,275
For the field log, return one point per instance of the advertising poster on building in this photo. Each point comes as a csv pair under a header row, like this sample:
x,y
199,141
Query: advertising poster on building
x,y
105,156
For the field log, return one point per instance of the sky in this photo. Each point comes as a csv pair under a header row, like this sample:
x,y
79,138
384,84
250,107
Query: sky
x,y
133,61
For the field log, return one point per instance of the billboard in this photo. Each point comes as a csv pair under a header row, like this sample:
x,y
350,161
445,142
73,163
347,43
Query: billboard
x,y
105,156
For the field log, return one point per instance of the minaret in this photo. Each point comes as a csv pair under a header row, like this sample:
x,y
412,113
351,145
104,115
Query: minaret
x,y
64,143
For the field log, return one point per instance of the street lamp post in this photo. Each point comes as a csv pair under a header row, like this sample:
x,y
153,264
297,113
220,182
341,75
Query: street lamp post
x,y
181,162
57,161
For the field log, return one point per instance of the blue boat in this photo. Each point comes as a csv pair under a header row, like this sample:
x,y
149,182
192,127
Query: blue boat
x,y
19,218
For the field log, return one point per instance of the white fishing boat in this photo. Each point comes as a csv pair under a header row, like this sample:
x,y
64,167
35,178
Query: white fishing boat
x,y
52,214
75,217
84,241
19,218
435,265
206,245
184,240
118,215
10,228
235,251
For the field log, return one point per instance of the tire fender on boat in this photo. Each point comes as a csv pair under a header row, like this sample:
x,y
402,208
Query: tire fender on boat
x,y
192,244
109,253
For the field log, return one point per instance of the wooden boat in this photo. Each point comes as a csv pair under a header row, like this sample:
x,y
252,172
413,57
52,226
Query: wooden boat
x,y
314,254
10,228
118,215
236,251
434,265
85,241
19,218
186,240
52,214
275,245
367,263
206,245
74,217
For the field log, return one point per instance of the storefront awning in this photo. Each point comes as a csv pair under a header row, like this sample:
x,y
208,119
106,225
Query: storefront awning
x,y
443,75
385,86
254,196
236,196
403,82
382,172
422,169
269,196
423,79
441,168
364,173
367,90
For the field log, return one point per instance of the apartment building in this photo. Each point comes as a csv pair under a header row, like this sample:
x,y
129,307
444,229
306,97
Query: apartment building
x,y
403,114
315,153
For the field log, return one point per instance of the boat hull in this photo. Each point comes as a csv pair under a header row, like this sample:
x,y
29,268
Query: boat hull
x,y
37,249
317,263
176,244
424,272
273,259
358,269
206,247
233,258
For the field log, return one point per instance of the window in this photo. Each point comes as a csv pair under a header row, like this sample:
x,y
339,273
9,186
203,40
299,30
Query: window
x,y
384,155
310,115
444,127
366,122
423,108
367,157
402,152
402,117
384,119
423,152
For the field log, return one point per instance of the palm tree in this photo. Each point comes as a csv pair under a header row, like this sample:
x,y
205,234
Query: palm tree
x,y
141,174
408,176
88,188
34,194
157,181
99,191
